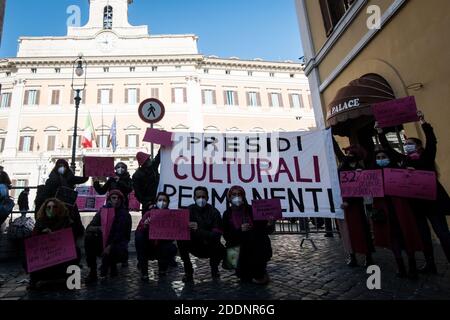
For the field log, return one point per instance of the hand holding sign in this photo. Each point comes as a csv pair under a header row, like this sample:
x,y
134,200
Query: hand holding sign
x,y
169,225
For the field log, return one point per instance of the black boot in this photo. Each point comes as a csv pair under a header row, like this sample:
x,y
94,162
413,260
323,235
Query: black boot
x,y
352,262
401,273
412,266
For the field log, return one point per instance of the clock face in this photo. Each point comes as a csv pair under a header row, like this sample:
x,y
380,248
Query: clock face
x,y
106,41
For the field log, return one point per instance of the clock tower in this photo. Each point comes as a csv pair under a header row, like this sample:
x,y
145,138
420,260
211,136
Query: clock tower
x,y
108,15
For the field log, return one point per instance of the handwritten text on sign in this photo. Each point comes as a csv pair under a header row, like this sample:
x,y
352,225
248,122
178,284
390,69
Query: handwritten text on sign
x,y
269,209
98,167
50,250
367,183
169,225
410,183
395,112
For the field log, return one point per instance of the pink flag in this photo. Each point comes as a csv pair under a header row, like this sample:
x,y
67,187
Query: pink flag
x,y
169,225
107,218
49,250
160,137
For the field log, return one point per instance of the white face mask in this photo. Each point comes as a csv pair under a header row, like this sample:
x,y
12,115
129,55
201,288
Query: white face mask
x,y
410,148
201,202
161,205
61,170
120,171
236,201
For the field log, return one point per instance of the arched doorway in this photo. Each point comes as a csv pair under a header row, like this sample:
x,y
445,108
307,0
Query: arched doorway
x,y
350,112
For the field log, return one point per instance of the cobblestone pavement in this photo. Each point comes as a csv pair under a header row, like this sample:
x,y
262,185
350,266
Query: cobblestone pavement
x,y
297,273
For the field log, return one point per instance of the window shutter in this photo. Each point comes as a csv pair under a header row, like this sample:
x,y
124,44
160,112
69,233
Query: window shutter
x,y
173,95
53,97
236,98
248,98
126,96
214,94
155,93
203,97
31,143
138,95
326,14
99,96
270,100
9,99
25,99
38,96
137,140
225,98
58,93
69,142
72,96
291,100
110,96
280,99
126,140
83,98
185,95
21,143
51,143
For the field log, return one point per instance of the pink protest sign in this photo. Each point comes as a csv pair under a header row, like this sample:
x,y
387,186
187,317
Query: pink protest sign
x,y
269,209
49,250
98,167
367,183
410,183
107,218
395,112
81,202
133,203
99,202
160,137
169,225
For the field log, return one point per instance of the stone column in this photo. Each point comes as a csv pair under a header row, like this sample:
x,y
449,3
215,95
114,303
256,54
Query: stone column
x,y
12,137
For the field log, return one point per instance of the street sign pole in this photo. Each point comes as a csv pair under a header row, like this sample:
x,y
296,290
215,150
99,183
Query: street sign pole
x,y
152,145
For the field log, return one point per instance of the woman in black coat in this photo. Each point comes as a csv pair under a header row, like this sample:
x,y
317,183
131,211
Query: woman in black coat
x,y
240,229
121,181
62,176
420,157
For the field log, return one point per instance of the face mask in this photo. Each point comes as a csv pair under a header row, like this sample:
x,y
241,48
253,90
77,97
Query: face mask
x,y
49,213
161,205
61,170
236,201
120,171
201,202
383,162
410,148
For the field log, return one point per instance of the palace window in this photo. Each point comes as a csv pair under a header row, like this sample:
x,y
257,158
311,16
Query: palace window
x,y
296,101
253,99
6,100
31,97
108,17
231,98
26,144
275,100
209,97
333,11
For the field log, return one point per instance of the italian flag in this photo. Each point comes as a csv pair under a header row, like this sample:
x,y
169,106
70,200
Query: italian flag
x,y
88,138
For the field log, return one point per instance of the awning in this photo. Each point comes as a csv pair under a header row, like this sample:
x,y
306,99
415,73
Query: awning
x,y
354,102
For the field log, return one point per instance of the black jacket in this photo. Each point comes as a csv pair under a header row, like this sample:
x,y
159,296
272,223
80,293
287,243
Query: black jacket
x,y
426,162
209,223
145,182
125,185
23,201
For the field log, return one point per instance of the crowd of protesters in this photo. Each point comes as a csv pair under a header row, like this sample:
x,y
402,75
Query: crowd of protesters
x,y
400,224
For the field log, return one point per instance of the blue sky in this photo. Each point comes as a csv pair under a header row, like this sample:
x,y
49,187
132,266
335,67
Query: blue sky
x,y
248,29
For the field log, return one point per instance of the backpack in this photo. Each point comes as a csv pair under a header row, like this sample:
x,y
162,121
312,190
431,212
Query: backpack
x,y
20,228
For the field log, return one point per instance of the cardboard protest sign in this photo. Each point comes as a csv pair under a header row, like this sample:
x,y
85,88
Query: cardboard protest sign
x,y
297,167
81,203
269,209
410,183
169,225
367,183
133,203
98,166
160,137
395,112
107,219
49,250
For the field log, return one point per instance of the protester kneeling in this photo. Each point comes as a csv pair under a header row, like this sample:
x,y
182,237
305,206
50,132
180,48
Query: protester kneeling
x,y
206,232
52,216
250,236
162,250
107,236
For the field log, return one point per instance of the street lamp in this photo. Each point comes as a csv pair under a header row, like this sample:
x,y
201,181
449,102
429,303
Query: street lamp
x,y
79,67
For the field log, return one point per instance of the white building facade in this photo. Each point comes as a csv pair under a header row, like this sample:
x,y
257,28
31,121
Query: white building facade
x,y
125,66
